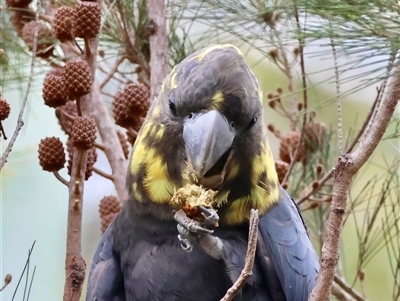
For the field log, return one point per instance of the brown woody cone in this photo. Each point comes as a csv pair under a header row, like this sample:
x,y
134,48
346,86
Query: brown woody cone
x,y
288,146
315,134
18,3
124,112
91,159
45,38
66,115
106,221
108,204
62,25
83,132
124,143
21,16
281,169
51,154
78,79
5,109
137,97
57,71
87,20
121,110
54,91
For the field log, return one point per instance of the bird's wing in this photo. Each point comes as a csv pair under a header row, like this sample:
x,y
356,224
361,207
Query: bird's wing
x,y
105,279
284,243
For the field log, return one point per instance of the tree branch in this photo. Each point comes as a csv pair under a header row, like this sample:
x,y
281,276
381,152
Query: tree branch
x,y
349,290
158,45
74,263
249,262
345,169
111,144
60,178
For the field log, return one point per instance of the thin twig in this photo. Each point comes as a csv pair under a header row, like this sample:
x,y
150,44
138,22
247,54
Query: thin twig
x,y
249,262
340,294
30,285
60,178
99,146
339,99
23,271
292,86
103,174
112,72
305,102
20,121
344,286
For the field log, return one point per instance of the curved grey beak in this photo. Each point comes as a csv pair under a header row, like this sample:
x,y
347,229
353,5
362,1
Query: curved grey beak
x,y
207,137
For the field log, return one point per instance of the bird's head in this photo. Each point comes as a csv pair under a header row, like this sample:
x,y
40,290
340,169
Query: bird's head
x,y
206,127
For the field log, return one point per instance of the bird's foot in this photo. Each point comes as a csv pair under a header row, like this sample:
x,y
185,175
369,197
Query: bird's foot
x,y
193,232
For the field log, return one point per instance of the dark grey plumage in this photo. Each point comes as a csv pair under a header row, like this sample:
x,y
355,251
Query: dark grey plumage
x,y
140,257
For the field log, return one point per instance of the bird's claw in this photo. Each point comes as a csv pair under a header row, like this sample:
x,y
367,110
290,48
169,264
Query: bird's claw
x,y
191,231
210,215
190,224
185,244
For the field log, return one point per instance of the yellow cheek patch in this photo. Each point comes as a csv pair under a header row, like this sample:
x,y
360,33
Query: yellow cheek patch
x,y
264,162
138,157
233,171
160,132
157,183
238,212
258,198
136,193
140,152
270,167
156,112
262,195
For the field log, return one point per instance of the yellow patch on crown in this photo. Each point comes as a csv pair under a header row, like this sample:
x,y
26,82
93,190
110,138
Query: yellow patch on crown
x,y
216,100
173,81
259,90
199,57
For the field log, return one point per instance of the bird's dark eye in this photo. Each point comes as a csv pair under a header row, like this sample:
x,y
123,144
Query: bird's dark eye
x,y
251,123
232,124
172,107
190,116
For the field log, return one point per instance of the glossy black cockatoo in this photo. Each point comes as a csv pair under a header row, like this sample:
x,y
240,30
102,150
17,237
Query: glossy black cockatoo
x,y
205,128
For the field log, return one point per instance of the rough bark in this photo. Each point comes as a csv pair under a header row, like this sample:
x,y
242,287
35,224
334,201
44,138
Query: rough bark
x,y
157,25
